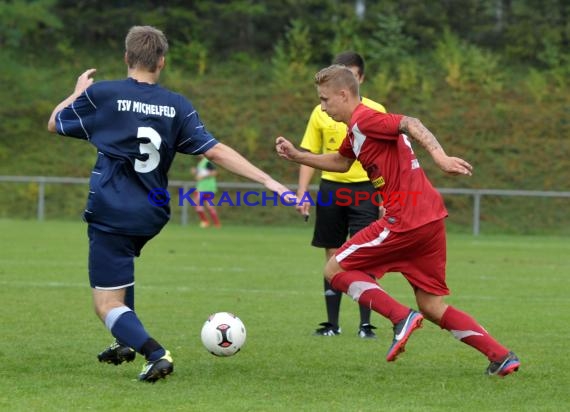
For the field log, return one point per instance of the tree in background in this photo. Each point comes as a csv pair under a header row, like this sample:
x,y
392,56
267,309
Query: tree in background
x,y
22,21
292,57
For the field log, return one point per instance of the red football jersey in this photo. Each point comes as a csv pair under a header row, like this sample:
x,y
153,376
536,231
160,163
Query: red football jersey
x,y
387,156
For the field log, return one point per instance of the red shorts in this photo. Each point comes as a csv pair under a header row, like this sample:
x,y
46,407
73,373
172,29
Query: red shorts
x,y
419,254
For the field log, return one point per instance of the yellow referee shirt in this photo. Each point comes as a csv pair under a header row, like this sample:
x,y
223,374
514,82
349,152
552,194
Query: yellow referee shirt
x,y
324,135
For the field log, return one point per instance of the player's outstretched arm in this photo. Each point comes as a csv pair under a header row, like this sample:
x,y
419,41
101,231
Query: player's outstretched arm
x,y
332,162
234,162
415,129
83,82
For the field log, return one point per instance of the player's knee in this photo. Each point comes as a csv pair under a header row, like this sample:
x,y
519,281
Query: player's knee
x,y
103,309
432,308
331,269
104,302
100,309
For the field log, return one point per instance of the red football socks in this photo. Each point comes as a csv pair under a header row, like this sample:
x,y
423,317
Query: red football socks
x,y
362,288
467,330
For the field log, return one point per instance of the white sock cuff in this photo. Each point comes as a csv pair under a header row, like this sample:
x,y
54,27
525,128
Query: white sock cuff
x,y
355,289
114,314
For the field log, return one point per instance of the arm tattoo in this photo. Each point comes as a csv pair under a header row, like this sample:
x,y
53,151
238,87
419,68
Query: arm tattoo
x,y
417,131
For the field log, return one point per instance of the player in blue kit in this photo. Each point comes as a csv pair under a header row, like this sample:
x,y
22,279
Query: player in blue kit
x,y
137,127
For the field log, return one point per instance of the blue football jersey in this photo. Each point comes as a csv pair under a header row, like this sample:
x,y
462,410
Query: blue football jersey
x,y
137,129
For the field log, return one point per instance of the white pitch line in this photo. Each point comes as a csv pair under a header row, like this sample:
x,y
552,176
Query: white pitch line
x,y
201,290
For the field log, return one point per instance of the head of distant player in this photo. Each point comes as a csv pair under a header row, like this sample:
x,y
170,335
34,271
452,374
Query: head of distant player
x,y
353,61
145,49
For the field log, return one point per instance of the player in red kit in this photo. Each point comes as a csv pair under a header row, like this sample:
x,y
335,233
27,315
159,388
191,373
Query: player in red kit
x,y
410,238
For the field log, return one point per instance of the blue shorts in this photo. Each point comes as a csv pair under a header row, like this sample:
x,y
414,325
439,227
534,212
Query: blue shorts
x,y
111,258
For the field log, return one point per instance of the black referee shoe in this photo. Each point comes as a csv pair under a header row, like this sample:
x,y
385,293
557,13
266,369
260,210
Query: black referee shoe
x,y
327,329
365,331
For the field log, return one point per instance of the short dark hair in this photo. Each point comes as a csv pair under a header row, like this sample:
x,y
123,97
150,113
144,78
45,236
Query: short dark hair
x,y
144,46
350,59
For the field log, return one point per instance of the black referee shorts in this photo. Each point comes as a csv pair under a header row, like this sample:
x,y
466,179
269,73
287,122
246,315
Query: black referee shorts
x,y
341,211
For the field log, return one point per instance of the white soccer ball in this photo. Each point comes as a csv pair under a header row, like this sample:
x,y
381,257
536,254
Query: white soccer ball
x,y
223,334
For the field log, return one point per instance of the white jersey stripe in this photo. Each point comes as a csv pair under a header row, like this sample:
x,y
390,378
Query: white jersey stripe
x,y
80,120
200,148
184,141
89,98
359,139
353,248
61,123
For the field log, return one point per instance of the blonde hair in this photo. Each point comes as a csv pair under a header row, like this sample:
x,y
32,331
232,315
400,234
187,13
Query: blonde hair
x,y
144,46
339,76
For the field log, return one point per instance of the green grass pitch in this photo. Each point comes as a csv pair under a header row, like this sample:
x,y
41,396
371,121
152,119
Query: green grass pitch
x,y
517,287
